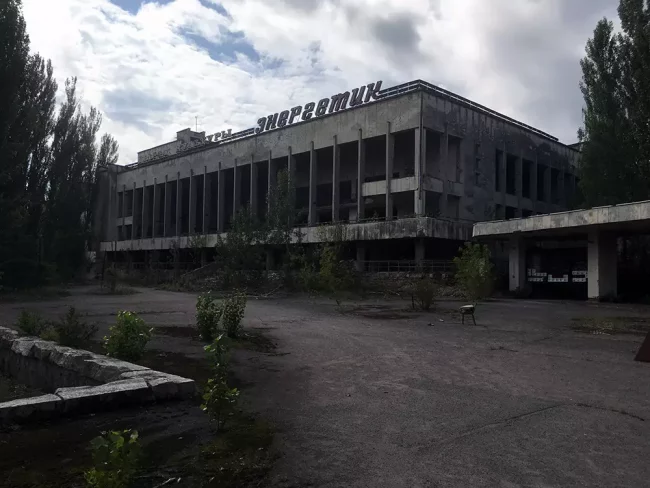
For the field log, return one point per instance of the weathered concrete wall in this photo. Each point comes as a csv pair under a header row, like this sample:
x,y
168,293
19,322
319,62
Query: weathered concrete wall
x,y
81,381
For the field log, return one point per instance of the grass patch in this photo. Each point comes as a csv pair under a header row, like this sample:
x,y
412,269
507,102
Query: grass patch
x,y
35,294
611,325
240,456
119,291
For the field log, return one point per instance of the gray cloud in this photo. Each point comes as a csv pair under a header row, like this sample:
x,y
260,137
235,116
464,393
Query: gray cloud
x,y
398,36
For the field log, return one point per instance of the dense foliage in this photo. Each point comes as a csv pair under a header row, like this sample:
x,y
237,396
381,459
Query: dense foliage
x,y
218,398
615,163
128,337
115,457
475,271
48,163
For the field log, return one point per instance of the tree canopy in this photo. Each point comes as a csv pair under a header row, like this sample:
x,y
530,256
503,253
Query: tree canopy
x,y
615,137
48,162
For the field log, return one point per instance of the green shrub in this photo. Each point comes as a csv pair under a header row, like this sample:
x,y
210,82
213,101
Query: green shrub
x,y
115,460
475,271
233,312
30,323
208,313
424,293
128,338
218,397
72,330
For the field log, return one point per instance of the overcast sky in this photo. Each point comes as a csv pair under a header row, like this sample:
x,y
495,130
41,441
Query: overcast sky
x,y
152,66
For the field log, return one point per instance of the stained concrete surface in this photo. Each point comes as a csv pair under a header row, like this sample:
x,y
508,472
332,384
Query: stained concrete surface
x,y
370,395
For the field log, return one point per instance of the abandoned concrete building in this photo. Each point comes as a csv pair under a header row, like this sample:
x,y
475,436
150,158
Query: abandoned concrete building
x,y
406,170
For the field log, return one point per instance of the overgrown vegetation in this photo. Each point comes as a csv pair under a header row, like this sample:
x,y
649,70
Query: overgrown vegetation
x,y
218,398
115,458
48,164
128,338
208,314
30,323
475,271
424,293
72,330
232,314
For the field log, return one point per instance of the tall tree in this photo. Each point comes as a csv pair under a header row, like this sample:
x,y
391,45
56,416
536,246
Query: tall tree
x,y
615,162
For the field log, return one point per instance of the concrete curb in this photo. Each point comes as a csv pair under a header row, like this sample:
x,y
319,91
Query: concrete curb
x,y
81,380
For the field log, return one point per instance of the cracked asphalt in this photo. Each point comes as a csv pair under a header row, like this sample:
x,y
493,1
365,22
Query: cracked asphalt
x,y
372,395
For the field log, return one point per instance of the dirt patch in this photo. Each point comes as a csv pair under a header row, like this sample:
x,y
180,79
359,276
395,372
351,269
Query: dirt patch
x,y
11,390
611,325
177,331
379,312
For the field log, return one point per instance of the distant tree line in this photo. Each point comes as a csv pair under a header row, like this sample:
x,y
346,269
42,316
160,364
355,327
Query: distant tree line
x,y
615,137
48,164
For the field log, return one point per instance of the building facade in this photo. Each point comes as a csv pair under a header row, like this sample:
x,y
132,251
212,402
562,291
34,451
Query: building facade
x,y
407,170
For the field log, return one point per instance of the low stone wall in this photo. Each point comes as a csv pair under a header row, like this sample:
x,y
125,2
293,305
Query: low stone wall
x,y
79,381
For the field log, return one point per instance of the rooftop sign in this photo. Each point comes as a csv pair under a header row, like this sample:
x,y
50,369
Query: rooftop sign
x,y
324,106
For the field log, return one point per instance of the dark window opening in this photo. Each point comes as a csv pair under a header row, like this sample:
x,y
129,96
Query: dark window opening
x,y
511,174
526,171
497,170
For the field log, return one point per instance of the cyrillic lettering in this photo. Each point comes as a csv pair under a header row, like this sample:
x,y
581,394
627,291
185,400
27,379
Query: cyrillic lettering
x,y
284,116
357,96
271,121
339,102
295,112
321,109
261,123
209,138
373,90
307,112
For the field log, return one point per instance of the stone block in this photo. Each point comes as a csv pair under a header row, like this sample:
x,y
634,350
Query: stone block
x,y
7,337
165,386
110,395
43,349
23,346
104,369
25,408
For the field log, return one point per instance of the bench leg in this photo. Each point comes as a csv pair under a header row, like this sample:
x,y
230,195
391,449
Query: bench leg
x,y
473,319
462,318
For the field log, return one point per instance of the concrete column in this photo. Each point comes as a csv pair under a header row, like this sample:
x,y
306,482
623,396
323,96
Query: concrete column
x,y
154,210
144,221
390,153
235,188
361,257
270,260
561,192
418,202
192,207
167,209
207,198
221,200
602,265
336,171
179,207
517,264
123,212
444,172
272,177
253,204
503,174
361,175
313,172
134,216
519,181
420,251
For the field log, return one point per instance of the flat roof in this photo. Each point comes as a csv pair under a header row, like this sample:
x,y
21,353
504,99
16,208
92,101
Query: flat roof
x,y
385,94
625,216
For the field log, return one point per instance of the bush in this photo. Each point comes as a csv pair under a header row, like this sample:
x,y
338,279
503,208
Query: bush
x,y
128,338
218,397
72,330
475,271
115,460
30,323
208,313
424,293
233,312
